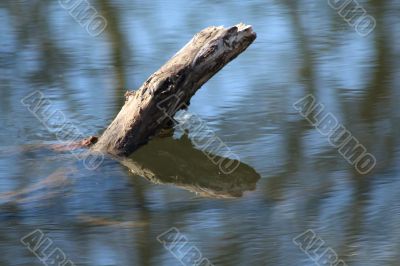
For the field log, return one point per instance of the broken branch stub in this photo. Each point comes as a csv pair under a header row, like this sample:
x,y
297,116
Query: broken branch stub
x,y
151,107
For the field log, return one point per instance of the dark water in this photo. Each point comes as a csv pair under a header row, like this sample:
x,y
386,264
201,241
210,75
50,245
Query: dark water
x,y
113,215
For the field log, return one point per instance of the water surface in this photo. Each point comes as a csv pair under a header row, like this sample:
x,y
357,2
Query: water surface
x,y
112,215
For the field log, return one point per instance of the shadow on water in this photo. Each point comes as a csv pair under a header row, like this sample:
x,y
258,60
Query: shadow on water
x,y
163,161
178,162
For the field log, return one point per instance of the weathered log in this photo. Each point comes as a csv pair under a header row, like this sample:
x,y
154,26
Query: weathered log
x,y
151,107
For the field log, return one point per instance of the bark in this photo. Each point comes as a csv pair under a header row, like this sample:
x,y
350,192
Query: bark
x,y
151,107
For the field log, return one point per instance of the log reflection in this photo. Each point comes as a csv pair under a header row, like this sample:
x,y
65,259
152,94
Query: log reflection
x,y
178,162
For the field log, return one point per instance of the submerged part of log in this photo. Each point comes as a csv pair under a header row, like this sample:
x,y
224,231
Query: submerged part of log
x,y
179,163
151,107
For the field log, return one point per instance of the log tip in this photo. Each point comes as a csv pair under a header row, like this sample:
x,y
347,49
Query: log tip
x,y
246,28
242,30
241,27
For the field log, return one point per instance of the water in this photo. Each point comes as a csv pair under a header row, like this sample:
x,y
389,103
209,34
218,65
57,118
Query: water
x,y
113,215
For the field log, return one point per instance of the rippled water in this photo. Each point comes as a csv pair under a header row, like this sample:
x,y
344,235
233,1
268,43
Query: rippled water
x,y
290,180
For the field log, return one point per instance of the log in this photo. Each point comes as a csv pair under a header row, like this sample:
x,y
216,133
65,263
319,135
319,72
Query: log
x,y
150,108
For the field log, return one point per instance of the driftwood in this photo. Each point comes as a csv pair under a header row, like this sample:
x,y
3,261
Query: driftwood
x,y
151,107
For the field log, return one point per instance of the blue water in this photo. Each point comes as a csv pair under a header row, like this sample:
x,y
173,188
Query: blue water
x,y
291,179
